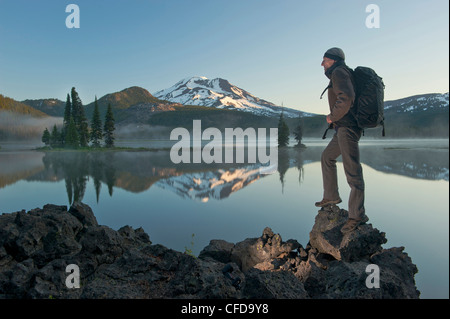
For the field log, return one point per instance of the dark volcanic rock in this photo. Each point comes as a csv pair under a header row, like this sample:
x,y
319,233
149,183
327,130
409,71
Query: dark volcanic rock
x,y
217,249
253,251
327,238
83,213
273,285
37,246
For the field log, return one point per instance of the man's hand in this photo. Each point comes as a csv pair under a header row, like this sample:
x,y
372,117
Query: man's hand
x,y
328,120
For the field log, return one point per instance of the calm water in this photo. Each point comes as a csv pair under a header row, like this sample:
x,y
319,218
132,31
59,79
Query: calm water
x,y
184,206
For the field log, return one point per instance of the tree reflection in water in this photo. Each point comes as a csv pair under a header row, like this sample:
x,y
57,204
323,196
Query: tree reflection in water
x,y
138,171
77,167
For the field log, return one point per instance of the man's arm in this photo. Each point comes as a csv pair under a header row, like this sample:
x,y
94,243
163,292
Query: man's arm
x,y
345,94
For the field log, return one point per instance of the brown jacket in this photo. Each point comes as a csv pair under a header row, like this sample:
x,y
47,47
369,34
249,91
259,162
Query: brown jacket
x,y
341,96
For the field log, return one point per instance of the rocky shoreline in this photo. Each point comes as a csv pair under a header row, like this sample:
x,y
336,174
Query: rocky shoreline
x,y
37,246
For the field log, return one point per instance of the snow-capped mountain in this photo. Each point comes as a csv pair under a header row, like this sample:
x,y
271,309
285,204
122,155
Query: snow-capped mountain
x,y
424,115
220,93
418,103
203,186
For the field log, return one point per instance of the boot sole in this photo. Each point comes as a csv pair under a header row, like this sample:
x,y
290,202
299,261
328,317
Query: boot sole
x,y
328,203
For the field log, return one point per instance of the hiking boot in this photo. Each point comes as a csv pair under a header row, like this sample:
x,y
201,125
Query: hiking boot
x,y
352,223
325,202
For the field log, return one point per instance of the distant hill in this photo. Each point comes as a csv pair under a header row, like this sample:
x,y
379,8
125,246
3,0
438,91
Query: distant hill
x,y
123,100
52,107
21,121
183,115
418,115
433,102
126,98
137,110
13,106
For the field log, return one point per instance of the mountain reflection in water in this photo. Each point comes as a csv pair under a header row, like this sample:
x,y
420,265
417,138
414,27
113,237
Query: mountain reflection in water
x,y
138,171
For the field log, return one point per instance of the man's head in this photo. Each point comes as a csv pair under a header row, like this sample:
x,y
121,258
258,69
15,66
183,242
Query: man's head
x,y
331,56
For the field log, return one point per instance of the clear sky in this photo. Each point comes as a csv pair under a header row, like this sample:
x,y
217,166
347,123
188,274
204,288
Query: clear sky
x,y
273,49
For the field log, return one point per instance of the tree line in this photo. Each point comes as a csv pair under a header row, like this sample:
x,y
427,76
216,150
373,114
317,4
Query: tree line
x,y
75,132
284,132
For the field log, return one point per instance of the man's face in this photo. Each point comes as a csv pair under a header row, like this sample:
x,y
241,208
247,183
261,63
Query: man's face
x,y
327,63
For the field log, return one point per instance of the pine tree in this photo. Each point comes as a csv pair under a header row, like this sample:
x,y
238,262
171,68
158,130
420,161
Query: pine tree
x,y
109,128
67,115
67,111
76,106
283,131
55,137
298,132
46,137
84,132
96,126
72,140
80,119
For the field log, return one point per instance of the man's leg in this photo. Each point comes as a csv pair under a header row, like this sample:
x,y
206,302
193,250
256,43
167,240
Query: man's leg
x,y
329,171
348,141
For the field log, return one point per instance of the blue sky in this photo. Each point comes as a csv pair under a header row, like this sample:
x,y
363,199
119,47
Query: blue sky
x,y
273,49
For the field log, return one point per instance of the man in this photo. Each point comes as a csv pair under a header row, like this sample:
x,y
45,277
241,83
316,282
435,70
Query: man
x,y
341,95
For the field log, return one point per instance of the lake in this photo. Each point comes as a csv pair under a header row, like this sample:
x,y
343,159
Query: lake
x,y
184,206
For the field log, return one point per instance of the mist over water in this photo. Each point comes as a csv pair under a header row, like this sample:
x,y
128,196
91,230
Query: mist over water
x,y
25,127
141,131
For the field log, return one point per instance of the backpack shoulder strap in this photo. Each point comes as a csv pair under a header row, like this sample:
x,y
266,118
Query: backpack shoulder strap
x,y
350,71
352,76
328,87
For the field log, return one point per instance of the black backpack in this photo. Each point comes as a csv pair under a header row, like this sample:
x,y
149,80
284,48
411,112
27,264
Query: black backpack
x,y
368,108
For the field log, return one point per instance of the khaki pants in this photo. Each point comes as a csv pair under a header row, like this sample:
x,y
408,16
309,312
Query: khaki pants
x,y
345,143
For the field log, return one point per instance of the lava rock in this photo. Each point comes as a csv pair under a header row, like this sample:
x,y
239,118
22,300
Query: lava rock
x,y
36,247
327,238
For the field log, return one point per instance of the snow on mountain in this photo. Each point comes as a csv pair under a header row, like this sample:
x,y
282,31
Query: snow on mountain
x,y
220,93
203,186
418,103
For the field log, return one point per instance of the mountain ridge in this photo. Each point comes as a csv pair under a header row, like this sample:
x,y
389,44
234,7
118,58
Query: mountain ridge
x,y
127,97
11,105
418,102
136,95
420,115
220,93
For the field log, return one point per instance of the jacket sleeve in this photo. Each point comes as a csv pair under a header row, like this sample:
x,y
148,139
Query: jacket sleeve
x,y
342,87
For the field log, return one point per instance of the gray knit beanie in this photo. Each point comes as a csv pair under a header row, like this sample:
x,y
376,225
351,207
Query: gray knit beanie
x,y
335,54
